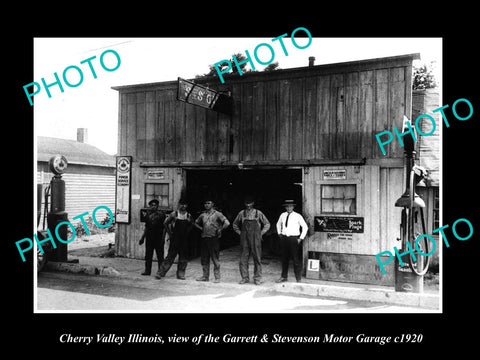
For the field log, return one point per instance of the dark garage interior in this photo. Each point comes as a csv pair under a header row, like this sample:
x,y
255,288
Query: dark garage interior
x,y
228,188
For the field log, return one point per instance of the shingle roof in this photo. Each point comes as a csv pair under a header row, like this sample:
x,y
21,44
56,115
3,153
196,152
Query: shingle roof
x,y
75,152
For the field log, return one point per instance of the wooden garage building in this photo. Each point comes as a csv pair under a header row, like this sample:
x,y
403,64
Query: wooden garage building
x,y
305,133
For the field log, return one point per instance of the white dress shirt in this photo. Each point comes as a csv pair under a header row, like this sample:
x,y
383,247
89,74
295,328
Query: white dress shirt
x,y
296,225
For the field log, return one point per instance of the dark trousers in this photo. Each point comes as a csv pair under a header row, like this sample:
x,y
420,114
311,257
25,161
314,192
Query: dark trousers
x,y
178,245
251,244
210,250
152,245
290,249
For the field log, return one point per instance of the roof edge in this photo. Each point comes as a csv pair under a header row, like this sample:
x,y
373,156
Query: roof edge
x,y
396,58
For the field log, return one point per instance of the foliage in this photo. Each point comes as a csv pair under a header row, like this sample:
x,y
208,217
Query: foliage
x,y
234,70
423,77
92,227
272,66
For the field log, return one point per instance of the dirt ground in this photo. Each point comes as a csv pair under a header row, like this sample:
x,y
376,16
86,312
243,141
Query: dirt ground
x,y
93,245
102,245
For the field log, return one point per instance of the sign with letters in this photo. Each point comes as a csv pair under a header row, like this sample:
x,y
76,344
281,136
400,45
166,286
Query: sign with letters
x,y
155,174
122,189
335,174
340,224
202,96
362,269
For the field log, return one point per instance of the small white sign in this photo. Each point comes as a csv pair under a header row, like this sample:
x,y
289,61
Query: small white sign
x,y
155,174
313,264
335,174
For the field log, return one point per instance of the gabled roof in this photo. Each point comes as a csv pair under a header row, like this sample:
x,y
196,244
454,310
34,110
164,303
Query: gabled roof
x,y
75,152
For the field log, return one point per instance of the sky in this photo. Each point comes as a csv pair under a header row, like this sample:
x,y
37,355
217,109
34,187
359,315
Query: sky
x,y
94,104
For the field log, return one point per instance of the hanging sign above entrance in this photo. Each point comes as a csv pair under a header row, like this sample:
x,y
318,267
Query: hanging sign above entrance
x,y
202,96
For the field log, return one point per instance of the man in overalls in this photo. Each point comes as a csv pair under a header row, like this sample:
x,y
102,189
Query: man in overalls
x,y
154,235
178,224
251,224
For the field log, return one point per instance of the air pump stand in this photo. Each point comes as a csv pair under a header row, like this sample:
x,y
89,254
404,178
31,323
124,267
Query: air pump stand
x,y
409,277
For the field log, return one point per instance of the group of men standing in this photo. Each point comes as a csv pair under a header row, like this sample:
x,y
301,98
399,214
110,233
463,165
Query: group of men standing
x,y
250,223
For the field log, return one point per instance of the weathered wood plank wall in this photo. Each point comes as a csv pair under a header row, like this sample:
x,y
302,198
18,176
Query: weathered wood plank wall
x,y
313,115
130,234
377,189
322,114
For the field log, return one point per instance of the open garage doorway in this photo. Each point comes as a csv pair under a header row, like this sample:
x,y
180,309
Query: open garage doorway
x,y
228,187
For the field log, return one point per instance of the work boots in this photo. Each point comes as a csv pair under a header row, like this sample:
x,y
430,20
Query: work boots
x,y
148,267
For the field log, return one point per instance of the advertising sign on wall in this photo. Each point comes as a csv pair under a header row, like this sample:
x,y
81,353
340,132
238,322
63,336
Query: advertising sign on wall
x,y
123,186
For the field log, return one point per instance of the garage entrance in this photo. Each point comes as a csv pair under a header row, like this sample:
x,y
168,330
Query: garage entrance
x,y
228,188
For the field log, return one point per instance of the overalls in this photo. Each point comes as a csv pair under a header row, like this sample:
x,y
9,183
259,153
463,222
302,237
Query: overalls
x,y
178,245
251,243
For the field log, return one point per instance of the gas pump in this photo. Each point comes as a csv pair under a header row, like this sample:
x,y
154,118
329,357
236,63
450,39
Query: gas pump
x,y
410,278
58,165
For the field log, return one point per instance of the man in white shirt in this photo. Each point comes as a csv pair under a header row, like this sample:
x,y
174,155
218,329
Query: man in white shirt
x,y
292,229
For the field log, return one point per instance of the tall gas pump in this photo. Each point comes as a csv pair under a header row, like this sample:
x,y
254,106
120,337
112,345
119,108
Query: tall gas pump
x,y
58,165
409,277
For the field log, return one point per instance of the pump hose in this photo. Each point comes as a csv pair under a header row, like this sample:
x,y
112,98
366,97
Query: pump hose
x,y
45,211
411,231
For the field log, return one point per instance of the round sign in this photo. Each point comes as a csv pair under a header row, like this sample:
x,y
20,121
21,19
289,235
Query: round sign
x,y
58,164
123,164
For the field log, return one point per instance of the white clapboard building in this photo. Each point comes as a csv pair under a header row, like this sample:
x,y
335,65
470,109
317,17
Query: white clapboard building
x,y
89,178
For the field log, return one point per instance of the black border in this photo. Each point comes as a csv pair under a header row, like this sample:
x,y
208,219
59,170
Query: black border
x,y
451,330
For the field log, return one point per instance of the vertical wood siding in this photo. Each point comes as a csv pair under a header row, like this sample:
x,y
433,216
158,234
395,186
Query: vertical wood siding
x,y
277,118
332,116
128,235
428,147
377,190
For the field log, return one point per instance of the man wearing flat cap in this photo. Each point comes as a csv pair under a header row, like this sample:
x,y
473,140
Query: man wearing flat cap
x,y
154,235
292,229
251,224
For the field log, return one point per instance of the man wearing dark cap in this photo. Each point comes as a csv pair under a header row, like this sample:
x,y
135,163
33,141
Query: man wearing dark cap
x,y
211,223
292,229
154,234
251,224
178,226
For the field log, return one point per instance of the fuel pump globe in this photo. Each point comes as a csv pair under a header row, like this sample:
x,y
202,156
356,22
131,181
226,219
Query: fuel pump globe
x,y
58,164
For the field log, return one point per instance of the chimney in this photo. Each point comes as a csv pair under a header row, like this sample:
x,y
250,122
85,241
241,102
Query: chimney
x,y
311,60
82,135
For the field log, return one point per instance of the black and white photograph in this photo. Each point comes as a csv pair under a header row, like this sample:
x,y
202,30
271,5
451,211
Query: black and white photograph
x,y
205,184
238,175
